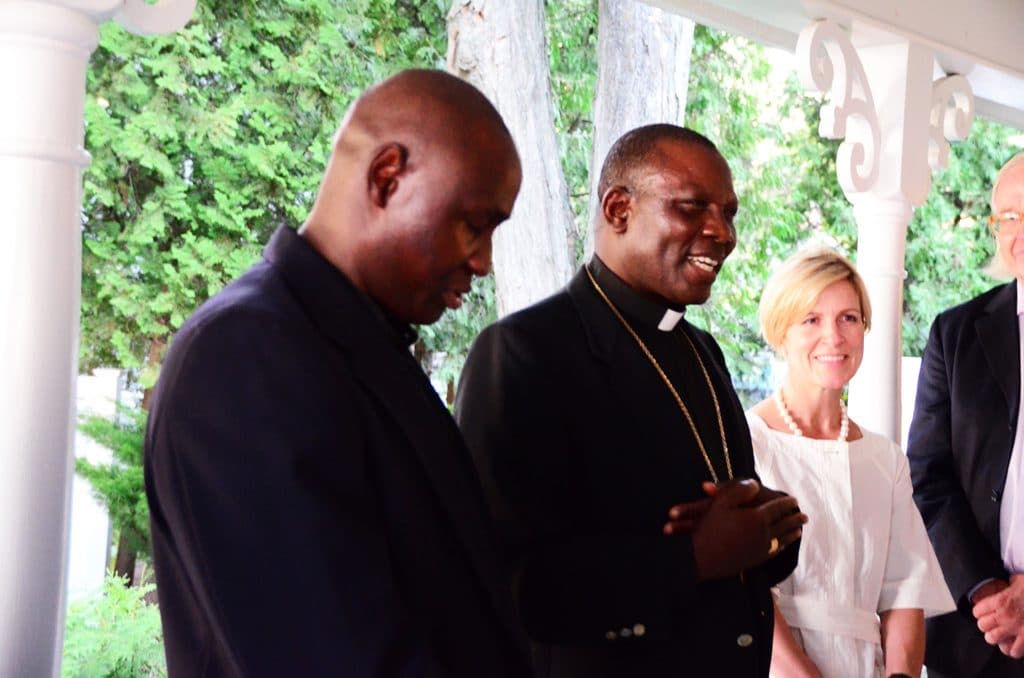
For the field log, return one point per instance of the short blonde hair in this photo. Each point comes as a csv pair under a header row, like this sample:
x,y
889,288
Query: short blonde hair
x,y
795,287
998,267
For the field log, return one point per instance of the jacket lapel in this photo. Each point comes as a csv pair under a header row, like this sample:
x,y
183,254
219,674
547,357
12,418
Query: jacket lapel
x,y
438,445
998,334
599,323
635,384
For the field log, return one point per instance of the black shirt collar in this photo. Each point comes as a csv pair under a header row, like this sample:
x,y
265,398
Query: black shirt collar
x,y
403,334
318,277
630,302
406,333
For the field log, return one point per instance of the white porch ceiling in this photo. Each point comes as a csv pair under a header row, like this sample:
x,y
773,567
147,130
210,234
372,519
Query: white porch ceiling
x,y
980,39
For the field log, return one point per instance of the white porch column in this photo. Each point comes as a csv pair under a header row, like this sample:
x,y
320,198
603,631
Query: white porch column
x,y
44,51
895,120
881,241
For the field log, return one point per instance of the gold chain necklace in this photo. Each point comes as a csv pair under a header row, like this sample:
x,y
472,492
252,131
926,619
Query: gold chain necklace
x,y
672,389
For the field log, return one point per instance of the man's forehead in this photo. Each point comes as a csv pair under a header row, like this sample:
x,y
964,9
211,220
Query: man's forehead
x,y
478,155
688,164
1010,192
690,151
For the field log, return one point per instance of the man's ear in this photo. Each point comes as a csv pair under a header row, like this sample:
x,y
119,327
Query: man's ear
x,y
387,165
617,207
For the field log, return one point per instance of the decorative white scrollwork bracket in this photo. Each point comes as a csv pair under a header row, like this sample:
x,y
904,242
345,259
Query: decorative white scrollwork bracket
x,y
952,113
828,61
165,16
894,119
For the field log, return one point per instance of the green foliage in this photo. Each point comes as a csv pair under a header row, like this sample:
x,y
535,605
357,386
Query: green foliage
x,y
572,50
206,140
114,634
948,243
120,485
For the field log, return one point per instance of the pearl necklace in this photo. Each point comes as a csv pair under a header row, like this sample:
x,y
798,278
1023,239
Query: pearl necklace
x,y
844,425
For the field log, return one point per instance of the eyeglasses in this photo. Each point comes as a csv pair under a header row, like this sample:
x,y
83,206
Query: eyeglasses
x,y
1005,222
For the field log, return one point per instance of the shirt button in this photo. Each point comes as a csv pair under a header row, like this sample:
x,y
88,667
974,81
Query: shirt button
x,y
625,632
744,640
639,630
610,635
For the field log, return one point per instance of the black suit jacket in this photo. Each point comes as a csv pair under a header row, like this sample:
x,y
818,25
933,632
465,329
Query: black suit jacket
x,y
314,510
959,446
582,450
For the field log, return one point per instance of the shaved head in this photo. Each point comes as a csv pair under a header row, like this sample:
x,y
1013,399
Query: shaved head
x,y
426,107
637,151
423,169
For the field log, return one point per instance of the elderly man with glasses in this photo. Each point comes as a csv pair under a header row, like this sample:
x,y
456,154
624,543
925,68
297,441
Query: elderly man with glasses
x,y
966,452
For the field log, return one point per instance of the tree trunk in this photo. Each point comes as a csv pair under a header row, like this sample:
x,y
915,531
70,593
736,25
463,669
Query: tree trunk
x,y
500,47
124,562
642,74
154,359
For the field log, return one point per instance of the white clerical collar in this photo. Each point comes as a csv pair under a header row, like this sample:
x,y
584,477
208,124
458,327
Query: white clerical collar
x,y
672,318
649,311
1020,297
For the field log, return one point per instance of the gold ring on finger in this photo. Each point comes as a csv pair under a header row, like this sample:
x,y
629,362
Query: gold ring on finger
x,y
773,546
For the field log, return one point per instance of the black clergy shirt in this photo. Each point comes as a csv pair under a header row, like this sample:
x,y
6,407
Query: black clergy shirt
x,y
582,450
670,339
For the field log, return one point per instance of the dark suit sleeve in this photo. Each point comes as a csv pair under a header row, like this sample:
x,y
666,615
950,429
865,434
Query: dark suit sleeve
x,y
262,504
573,580
962,550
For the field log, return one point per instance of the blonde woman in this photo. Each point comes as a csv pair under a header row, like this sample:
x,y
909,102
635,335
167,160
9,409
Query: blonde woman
x,y
867,575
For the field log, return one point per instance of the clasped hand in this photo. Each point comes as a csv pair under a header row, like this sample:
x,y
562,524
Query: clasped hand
x,y
733,527
999,609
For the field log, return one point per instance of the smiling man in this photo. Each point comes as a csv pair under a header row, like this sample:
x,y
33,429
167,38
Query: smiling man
x,y
613,449
314,511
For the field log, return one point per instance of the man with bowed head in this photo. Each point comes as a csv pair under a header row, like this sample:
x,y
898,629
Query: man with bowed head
x,y
613,449
314,509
